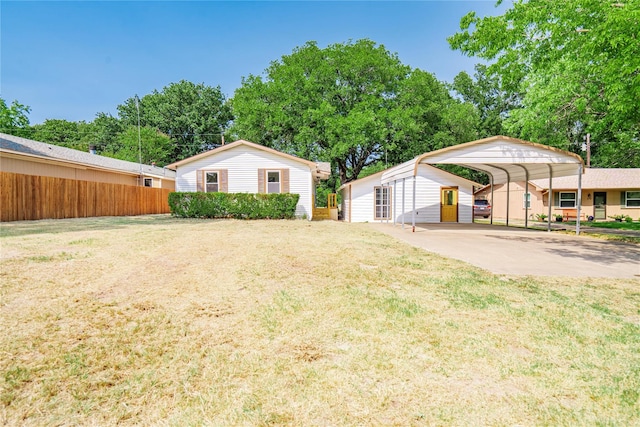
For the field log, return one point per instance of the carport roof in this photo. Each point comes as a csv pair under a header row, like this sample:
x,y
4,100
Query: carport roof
x,y
505,159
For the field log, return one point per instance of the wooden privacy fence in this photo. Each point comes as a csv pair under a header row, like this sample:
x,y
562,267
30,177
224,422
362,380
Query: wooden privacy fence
x,y
29,197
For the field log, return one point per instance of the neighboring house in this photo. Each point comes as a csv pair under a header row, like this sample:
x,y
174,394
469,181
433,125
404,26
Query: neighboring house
x,y
43,181
28,157
440,197
605,193
245,167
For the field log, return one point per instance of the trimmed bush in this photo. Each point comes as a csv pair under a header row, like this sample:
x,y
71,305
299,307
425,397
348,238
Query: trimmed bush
x,y
233,205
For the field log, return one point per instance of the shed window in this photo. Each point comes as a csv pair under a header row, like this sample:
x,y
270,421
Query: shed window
x,y
567,200
632,199
273,181
148,182
382,202
212,181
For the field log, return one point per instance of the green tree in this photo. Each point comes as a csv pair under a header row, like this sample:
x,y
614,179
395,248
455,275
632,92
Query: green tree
x,y
61,132
103,132
353,104
576,64
484,92
194,116
154,147
14,118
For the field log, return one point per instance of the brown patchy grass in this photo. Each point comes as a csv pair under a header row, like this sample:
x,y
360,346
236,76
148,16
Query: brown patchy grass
x,y
156,320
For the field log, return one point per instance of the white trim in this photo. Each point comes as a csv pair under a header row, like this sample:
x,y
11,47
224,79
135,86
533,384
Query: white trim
x,y
216,183
626,198
279,182
560,193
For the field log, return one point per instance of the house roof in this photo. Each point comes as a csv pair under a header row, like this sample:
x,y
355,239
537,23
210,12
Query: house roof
x,y
381,173
596,178
322,169
26,147
359,180
505,159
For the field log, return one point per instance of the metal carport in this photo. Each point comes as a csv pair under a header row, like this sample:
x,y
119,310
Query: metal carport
x,y
504,159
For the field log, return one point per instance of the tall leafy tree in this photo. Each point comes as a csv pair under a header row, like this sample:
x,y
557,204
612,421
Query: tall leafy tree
x,y
485,92
152,147
194,116
61,132
577,64
14,118
353,104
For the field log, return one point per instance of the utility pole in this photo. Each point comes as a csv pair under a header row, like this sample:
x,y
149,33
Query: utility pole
x,y
139,141
587,147
588,150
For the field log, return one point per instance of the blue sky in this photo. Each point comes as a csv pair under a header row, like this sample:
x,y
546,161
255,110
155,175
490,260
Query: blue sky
x,y
71,60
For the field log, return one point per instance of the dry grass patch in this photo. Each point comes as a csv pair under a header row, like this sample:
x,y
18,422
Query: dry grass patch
x,y
155,320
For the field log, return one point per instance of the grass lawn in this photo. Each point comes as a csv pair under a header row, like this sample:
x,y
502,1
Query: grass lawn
x,y
613,225
155,320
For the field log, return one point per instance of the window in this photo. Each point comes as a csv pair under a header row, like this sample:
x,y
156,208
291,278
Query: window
x,y
382,202
212,183
148,182
632,199
567,200
273,181
526,200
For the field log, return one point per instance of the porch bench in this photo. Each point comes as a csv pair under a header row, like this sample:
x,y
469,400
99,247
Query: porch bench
x,y
568,214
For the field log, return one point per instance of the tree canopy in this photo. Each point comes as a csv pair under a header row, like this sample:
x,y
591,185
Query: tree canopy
x,y
13,118
194,116
576,64
353,104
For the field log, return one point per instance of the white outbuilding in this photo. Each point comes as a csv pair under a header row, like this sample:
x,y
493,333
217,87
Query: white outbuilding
x,y
416,192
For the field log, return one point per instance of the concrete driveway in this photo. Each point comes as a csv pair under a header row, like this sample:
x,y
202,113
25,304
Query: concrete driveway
x,y
516,251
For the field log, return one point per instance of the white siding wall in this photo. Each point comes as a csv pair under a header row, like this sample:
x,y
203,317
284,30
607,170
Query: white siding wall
x,y
362,194
428,183
346,203
242,163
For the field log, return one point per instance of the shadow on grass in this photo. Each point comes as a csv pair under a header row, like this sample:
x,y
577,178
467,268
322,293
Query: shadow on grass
x,y
54,226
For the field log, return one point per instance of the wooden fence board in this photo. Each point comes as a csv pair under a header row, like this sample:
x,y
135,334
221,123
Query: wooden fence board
x,y
31,197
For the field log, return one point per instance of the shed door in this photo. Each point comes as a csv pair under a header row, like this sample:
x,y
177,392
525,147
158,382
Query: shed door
x,y
449,204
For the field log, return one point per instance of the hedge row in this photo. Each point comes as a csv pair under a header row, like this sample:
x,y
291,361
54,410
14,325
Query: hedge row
x,y
233,205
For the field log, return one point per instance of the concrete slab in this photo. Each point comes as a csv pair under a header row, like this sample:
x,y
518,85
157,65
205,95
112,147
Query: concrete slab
x,y
515,251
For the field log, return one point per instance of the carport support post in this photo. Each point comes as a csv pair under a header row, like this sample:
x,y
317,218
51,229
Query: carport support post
x,y
508,180
492,203
393,207
527,199
550,197
579,200
403,203
413,211
388,201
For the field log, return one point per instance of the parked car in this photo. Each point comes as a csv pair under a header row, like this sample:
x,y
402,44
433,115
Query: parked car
x,y
481,208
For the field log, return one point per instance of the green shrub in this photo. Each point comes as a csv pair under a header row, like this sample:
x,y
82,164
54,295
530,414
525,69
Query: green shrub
x,y
233,205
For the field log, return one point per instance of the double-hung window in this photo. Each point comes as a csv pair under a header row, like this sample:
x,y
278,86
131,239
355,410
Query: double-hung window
x,y
382,202
273,182
526,200
567,199
212,182
632,199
